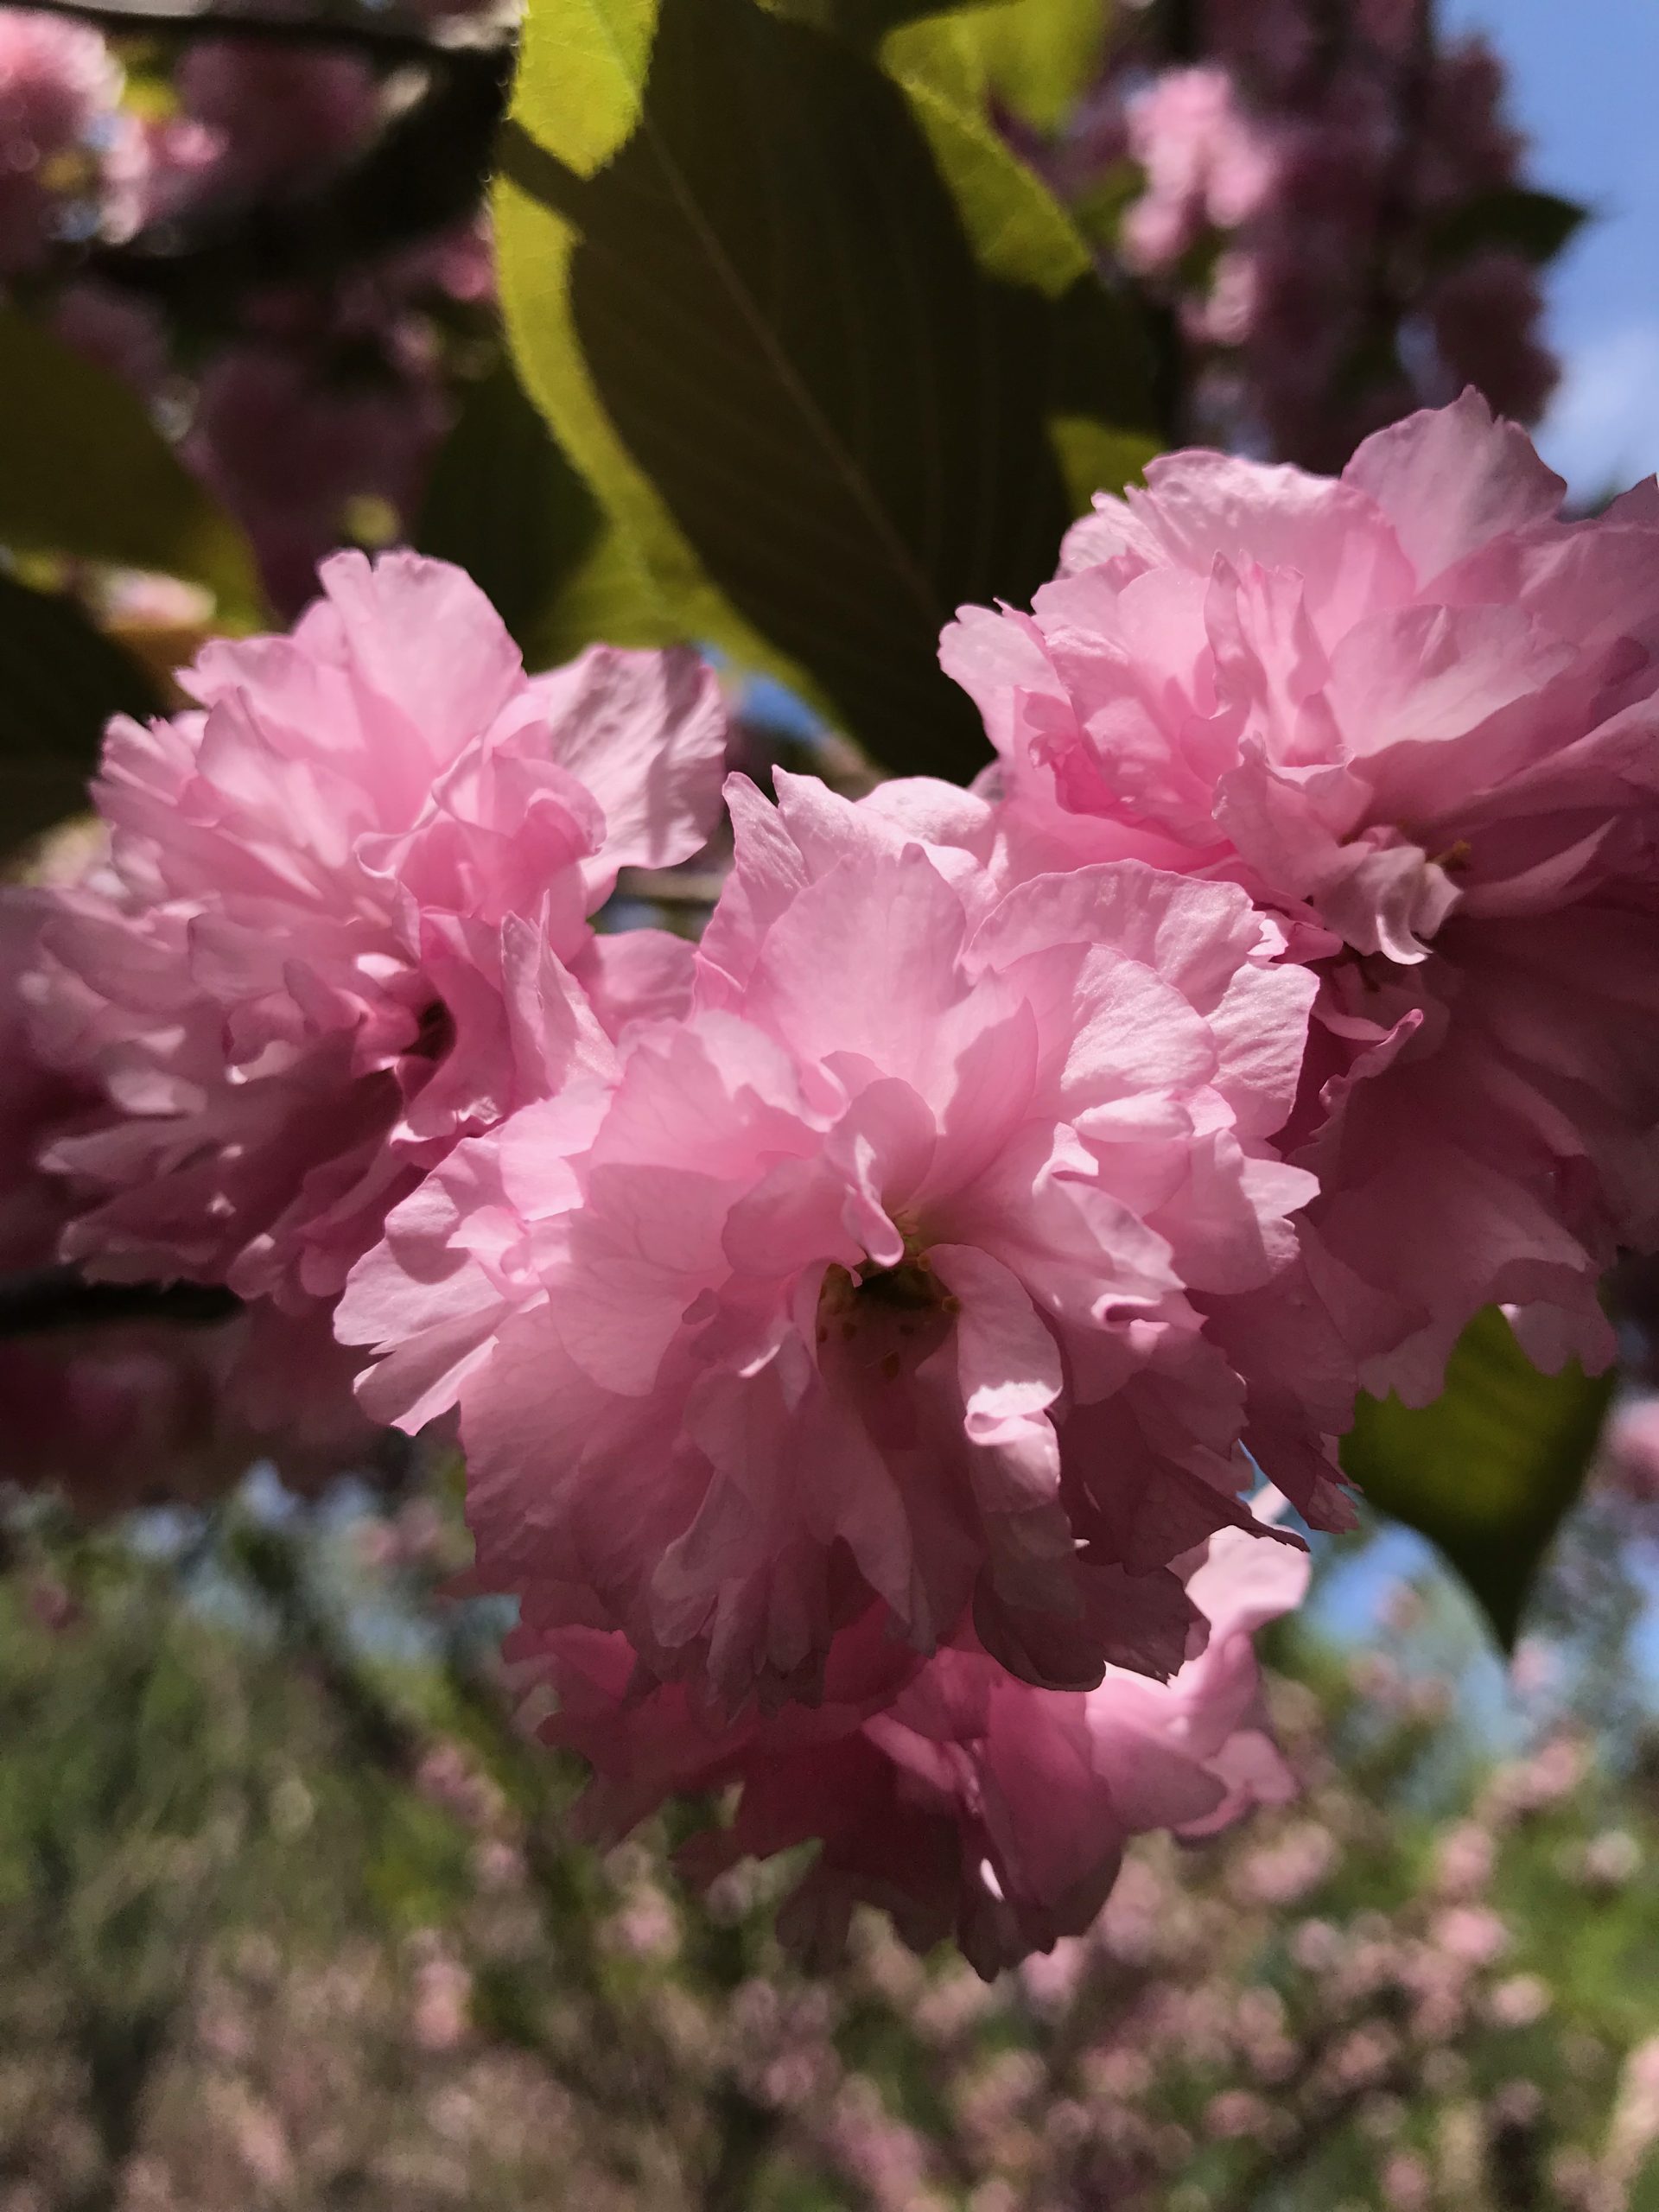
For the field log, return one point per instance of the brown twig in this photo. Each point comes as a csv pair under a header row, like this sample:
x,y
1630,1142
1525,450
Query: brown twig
x,y
391,39
41,1300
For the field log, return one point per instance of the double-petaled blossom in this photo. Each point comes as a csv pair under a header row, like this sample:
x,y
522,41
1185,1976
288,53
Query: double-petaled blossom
x,y
876,1277
1417,715
305,968
961,1800
121,1413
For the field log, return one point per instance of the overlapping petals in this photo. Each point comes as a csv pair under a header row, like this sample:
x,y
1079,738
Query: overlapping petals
x,y
876,1278
122,1415
963,1800
311,962
1415,715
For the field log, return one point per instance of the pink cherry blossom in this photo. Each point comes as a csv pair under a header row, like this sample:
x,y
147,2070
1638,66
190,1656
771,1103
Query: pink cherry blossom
x,y
331,397
968,1803
1414,713
306,967
124,1414
1631,1449
877,1277
1207,165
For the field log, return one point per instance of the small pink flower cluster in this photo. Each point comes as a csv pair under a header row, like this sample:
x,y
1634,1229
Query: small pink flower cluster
x,y
329,405
864,1328
67,149
1317,192
315,415
78,166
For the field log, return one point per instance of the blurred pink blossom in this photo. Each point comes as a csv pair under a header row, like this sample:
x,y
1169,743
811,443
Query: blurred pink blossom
x,y
1295,187
279,117
1631,1448
59,115
1472,1933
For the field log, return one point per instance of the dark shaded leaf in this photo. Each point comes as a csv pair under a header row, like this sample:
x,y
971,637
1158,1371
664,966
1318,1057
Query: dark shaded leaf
x,y
1487,1472
1535,224
504,504
862,22
60,680
88,474
742,290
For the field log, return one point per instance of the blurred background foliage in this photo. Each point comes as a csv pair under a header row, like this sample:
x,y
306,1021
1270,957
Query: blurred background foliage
x,y
292,1915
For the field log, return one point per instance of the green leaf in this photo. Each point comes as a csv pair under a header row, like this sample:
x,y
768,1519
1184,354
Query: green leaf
x,y
60,680
503,503
88,475
1486,1471
1534,224
762,331
1019,230
1039,57
1093,458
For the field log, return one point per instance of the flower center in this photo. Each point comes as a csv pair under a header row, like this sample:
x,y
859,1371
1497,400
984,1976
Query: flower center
x,y
889,1312
435,1034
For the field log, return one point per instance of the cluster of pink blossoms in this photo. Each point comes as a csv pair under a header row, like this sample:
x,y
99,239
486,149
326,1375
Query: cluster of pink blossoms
x,y
79,167
1319,194
68,153
312,402
866,1329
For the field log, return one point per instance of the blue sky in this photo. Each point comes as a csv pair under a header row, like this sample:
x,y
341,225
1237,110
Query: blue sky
x,y
1584,75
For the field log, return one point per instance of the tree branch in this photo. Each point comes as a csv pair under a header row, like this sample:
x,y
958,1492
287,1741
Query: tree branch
x,y
388,39
426,170
41,1300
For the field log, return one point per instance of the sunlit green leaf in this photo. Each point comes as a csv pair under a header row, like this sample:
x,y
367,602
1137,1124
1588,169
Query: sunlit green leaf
x,y
1019,230
1036,58
87,474
1039,57
1486,1471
